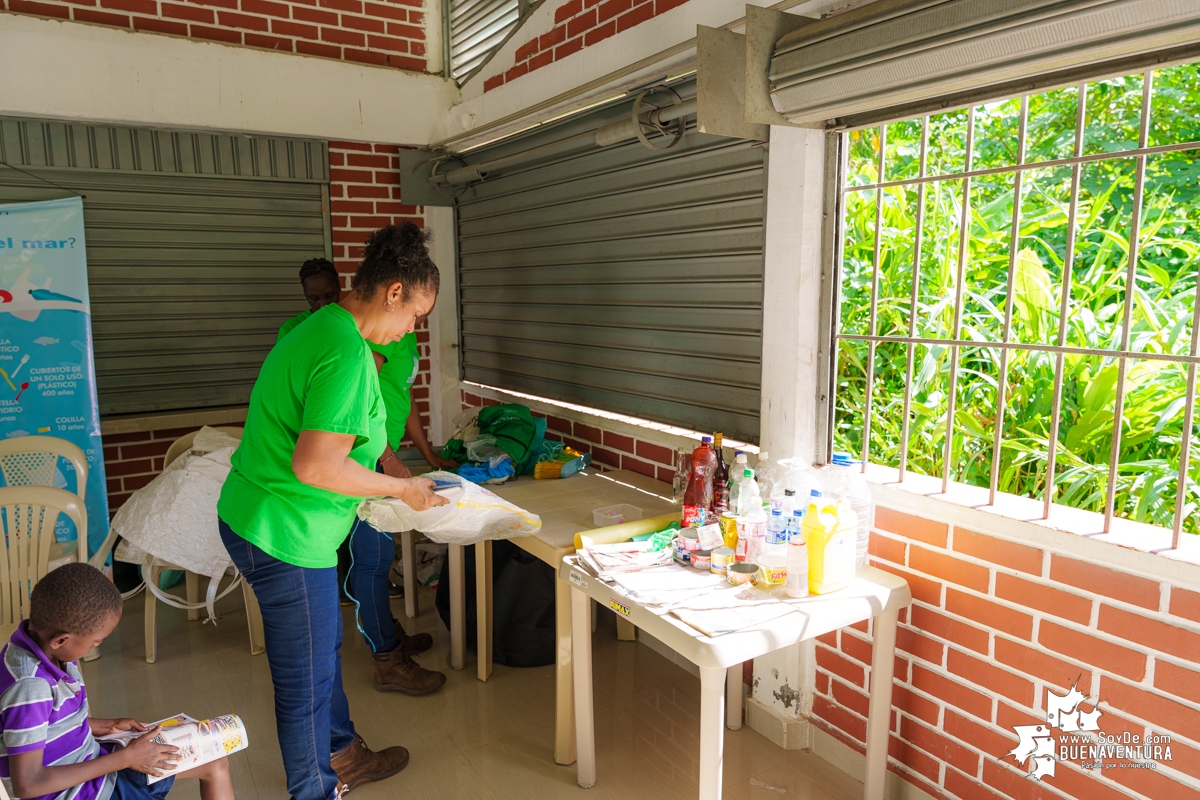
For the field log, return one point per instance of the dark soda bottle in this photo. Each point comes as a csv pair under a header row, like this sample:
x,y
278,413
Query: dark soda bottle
x,y
720,478
698,499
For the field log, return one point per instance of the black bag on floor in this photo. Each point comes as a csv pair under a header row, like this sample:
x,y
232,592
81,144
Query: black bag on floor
x,y
522,605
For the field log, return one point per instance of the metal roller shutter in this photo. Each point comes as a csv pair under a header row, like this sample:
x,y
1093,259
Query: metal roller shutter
x,y
619,278
193,245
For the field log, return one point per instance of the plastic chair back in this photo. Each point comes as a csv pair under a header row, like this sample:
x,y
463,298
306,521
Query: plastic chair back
x,y
31,461
184,443
28,516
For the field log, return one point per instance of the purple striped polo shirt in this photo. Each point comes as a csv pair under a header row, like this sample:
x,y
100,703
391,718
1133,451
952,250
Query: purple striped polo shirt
x,y
43,707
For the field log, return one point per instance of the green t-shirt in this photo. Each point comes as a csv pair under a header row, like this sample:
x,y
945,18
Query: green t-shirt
x,y
322,377
396,380
287,327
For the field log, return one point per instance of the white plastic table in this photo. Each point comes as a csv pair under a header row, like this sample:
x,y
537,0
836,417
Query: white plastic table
x,y
873,593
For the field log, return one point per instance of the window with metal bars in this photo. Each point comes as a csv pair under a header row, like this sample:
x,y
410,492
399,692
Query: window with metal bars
x,y
1017,304
475,29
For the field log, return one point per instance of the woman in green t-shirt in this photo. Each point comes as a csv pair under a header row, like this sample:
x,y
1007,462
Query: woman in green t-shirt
x,y
314,432
321,284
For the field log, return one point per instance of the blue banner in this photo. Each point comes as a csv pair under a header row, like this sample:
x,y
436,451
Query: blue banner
x,y
47,375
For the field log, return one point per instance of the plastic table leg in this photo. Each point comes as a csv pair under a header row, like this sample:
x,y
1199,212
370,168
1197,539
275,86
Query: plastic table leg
x,y
712,731
458,606
585,724
408,552
879,711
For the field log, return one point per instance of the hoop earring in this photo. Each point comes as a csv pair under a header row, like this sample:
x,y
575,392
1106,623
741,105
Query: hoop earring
x,y
389,306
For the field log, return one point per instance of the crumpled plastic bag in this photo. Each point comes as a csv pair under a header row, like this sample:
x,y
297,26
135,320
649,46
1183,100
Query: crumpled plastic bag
x,y
174,517
473,515
483,450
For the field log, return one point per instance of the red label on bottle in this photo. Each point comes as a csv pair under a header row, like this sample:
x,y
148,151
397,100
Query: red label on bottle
x,y
693,516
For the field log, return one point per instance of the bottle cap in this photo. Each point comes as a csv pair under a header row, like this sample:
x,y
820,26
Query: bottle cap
x,y
705,439
843,460
778,512
789,492
799,512
817,493
748,473
763,455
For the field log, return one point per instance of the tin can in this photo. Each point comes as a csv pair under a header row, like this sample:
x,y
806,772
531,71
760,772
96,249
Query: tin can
x,y
688,540
682,556
740,574
729,529
702,559
722,557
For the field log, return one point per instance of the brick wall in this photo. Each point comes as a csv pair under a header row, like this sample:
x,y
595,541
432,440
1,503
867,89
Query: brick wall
x,y
384,32
131,460
993,626
579,24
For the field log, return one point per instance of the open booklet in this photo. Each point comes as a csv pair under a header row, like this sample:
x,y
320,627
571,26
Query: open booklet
x,y
199,741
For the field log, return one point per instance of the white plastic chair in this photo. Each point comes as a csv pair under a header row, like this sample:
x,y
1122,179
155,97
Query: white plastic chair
x,y
32,461
153,568
29,515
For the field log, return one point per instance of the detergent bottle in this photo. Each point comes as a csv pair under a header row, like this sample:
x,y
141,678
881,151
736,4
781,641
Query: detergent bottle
x,y
830,531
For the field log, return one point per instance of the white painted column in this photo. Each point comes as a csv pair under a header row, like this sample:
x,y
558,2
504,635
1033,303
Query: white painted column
x,y
444,389
783,681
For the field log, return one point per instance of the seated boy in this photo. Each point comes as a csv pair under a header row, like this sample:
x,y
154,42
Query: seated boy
x,y
48,748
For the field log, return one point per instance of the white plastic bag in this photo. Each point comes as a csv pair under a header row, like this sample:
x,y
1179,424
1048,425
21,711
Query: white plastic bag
x,y
473,515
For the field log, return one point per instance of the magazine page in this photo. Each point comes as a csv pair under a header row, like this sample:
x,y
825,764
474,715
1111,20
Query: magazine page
x,y
199,741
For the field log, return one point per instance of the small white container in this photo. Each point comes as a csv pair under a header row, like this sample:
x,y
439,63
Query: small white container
x,y
616,515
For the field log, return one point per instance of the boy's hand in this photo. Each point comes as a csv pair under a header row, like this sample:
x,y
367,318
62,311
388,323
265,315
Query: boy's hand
x,y
110,726
144,754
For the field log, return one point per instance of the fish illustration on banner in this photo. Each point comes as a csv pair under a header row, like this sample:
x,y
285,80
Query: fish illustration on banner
x,y
47,372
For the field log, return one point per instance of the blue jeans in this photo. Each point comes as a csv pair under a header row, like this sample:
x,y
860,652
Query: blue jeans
x,y
302,625
371,556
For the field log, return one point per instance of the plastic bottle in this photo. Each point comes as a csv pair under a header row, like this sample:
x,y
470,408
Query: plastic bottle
x,y
763,472
683,464
740,465
697,500
752,520
795,475
772,557
830,527
843,479
797,556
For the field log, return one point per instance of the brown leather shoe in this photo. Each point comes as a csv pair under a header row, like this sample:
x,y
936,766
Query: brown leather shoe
x,y
356,763
395,671
413,645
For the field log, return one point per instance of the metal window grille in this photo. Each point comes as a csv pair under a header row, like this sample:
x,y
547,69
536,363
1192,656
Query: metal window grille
x,y
475,29
934,321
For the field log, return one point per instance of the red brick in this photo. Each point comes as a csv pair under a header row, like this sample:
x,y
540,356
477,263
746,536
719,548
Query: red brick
x,y
1152,783
39,9
961,786
1185,604
366,24
388,43
147,7
134,482
567,48
527,50
914,704
1150,633
216,34
352,6
600,33
919,645
366,191
636,17
829,638
160,26
997,551
637,465
823,682
666,474
841,666
911,527
416,17
952,630
948,568
1108,582
655,452
1013,782
612,8
607,457
584,22
235,20
558,424
145,450
121,438
1185,758
1076,783
856,648
287,28
115,501
387,11
983,738
588,432
339,36
516,72
922,588
567,10
853,699
663,6
1008,717
268,42
1044,599
556,36
853,725
417,49
982,673
989,614
885,548
1164,713
101,18
1090,649
317,15
951,691
911,757
1040,665
618,442
1178,681
939,746
266,8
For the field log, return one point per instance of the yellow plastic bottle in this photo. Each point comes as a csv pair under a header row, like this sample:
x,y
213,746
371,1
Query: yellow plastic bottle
x,y
830,529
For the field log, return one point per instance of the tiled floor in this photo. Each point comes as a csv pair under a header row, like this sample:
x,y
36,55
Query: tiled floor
x,y
470,740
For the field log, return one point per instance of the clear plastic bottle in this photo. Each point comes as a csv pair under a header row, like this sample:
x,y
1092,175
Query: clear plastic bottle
x,y
752,520
736,476
797,556
843,480
795,476
683,464
764,473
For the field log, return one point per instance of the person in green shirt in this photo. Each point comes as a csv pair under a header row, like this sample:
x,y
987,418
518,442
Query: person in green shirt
x,y
322,285
314,432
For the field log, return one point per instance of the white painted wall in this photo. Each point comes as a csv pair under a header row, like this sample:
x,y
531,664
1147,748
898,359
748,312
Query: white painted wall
x,y
79,72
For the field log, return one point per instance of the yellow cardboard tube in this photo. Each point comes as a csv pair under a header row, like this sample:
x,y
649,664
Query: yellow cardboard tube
x,y
625,531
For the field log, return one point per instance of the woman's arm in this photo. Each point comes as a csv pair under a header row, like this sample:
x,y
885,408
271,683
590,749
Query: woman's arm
x,y
416,433
322,459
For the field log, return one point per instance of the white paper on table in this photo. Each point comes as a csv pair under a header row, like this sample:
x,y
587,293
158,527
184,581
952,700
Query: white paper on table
x,y
666,585
719,621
